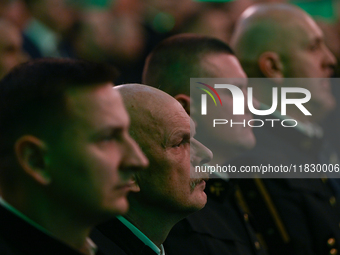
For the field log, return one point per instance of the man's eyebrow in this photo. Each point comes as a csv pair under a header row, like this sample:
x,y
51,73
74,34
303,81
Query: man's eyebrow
x,y
176,134
181,132
241,85
109,129
110,126
317,39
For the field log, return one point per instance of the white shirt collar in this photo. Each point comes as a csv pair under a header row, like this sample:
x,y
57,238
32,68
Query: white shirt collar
x,y
141,236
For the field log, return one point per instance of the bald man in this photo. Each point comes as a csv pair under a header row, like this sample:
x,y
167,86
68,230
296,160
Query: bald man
x,y
296,216
220,228
11,53
168,190
282,41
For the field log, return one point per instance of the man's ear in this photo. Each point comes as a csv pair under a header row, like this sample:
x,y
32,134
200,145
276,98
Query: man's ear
x,y
31,155
184,100
270,65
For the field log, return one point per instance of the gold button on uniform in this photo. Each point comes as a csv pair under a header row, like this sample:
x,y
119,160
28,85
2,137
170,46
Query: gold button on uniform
x,y
216,188
332,201
331,242
333,252
246,217
258,246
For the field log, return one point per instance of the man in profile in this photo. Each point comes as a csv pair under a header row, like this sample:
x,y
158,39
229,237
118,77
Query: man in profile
x,y
169,188
296,216
66,157
221,227
11,53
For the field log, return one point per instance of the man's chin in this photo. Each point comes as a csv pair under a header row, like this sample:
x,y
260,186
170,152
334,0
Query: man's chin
x,y
202,200
121,206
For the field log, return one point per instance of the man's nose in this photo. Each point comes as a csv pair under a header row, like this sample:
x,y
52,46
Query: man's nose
x,y
201,153
134,158
329,59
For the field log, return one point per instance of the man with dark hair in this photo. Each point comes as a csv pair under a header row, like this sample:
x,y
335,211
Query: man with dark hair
x,y
66,157
296,216
181,57
169,188
220,227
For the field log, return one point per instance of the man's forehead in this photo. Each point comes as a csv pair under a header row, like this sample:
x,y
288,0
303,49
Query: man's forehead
x,y
174,118
100,103
222,65
160,125
304,29
174,115
314,30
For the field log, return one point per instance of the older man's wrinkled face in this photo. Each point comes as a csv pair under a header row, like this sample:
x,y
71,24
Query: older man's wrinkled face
x,y
173,153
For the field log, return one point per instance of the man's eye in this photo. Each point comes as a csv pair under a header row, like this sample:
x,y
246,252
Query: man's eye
x,y
183,142
315,47
108,138
112,136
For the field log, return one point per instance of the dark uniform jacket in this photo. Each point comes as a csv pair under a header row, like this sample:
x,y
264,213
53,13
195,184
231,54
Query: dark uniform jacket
x,y
114,238
295,216
220,228
17,237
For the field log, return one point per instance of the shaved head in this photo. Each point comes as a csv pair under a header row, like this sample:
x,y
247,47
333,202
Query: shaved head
x,y
267,27
283,41
144,97
147,107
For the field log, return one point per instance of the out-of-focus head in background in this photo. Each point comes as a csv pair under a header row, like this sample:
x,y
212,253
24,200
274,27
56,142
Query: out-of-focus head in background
x,y
11,53
283,41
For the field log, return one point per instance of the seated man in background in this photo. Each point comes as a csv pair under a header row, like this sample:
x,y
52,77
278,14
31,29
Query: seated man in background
x,y
168,189
46,32
221,227
11,53
296,216
66,156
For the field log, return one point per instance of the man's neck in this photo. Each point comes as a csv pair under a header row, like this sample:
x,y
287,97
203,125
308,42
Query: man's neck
x,y
154,223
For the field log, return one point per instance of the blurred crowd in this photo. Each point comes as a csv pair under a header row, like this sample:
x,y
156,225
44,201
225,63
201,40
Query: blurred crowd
x,y
123,32
164,43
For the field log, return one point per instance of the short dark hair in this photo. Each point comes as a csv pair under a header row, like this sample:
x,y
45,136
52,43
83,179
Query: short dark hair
x,y
175,60
30,3
33,96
